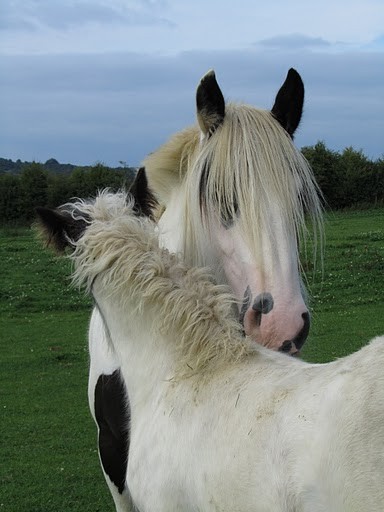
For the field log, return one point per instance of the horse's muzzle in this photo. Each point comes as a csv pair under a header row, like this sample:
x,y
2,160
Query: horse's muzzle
x,y
294,346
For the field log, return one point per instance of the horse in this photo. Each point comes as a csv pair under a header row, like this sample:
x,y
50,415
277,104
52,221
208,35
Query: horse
x,y
231,193
219,422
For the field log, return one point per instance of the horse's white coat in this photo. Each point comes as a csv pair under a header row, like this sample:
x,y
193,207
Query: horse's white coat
x,y
258,431
266,262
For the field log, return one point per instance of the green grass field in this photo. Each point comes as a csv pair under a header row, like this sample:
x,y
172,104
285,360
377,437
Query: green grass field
x,y
347,295
48,458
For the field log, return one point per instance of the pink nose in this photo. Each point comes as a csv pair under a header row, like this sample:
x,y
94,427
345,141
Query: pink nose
x,y
269,329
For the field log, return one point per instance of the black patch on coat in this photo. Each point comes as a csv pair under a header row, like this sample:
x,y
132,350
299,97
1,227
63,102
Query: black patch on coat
x,y
113,417
145,201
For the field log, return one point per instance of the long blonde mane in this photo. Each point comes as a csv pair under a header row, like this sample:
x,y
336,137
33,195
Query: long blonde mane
x,y
122,250
247,165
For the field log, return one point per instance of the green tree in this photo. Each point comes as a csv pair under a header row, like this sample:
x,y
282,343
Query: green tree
x,y
78,186
356,170
377,182
59,191
85,182
37,185
100,176
11,204
326,167
34,189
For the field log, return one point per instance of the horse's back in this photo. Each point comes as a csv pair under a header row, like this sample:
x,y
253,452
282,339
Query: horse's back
x,y
202,447
283,436
344,465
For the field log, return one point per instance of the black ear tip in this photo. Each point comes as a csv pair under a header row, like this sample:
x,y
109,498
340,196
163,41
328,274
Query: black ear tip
x,y
295,75
210,103
292,72
208,90
289,101
140,175
294,78
208,77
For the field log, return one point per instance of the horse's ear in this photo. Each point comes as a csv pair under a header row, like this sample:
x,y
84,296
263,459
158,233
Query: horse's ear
x,y
145,201
210,103
58,228
288,106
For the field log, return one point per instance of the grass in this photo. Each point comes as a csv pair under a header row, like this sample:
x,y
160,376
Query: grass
x,y
48,457
347,296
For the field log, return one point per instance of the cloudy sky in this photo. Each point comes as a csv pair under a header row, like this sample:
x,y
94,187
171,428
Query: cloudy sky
x,y
109,80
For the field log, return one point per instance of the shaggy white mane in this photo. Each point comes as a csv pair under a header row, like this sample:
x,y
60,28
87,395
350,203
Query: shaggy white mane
x,y
122,250
247,165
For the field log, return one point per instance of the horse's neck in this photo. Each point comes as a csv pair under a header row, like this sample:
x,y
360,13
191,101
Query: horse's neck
x,y
147,359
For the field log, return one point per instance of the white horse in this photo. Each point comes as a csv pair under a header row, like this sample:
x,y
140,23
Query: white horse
x,y
230,193
217,421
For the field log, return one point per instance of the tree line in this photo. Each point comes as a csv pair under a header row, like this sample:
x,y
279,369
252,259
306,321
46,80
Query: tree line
x,y
35,185
348,179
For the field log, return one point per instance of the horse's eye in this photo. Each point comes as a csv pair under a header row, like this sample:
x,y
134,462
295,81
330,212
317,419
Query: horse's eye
x,y
228,214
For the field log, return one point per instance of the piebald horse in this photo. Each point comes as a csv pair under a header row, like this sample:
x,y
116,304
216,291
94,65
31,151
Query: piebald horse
x,y
231,193
219,422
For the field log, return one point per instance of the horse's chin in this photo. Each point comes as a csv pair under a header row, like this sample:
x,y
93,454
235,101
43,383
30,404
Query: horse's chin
x,y
288,347
294,352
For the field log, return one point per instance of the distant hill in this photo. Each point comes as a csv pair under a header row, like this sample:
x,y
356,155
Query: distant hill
x,y
8,166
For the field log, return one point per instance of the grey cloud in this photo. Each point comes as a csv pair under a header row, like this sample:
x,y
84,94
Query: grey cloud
x,y
294,41
121,106
34,14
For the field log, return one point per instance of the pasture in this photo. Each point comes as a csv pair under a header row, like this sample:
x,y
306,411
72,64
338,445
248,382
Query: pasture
x,y
48,456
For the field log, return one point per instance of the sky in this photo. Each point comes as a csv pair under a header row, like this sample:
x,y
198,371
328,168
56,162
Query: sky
x,y
86,81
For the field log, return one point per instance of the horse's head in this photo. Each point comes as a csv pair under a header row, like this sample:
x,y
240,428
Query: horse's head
x,y
234,193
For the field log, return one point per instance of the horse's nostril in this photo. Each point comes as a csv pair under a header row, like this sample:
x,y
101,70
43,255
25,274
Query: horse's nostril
x,y
263,303
301,337
286,346
293,346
